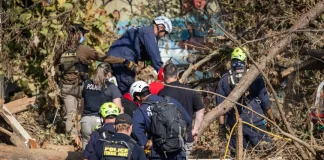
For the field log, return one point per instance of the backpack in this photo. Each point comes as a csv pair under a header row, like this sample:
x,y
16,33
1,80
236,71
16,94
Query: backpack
x,y
116,150
70,63
168,126
104,134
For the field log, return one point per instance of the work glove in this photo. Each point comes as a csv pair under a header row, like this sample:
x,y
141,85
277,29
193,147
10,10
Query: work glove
x,y
222,131
129,64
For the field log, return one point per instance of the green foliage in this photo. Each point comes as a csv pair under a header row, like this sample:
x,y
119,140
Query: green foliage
x,y
35,36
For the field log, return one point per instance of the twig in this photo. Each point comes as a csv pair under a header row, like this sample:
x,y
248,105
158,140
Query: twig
x,y
197,65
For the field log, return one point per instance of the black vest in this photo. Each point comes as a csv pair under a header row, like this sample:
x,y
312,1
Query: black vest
x,y
94,97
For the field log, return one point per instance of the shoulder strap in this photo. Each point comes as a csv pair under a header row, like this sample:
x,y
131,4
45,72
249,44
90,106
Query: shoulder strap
x,y
167,98
131,144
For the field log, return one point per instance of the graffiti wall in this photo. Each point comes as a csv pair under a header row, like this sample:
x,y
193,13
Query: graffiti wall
x,y
194,20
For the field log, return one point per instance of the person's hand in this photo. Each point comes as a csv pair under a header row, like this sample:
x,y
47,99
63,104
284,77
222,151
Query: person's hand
x,y
194,133
129,64
148,145
222,131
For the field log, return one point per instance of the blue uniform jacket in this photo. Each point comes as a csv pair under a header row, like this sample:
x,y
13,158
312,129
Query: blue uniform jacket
x,y
142,119
138,43
257,98
94,137
137,152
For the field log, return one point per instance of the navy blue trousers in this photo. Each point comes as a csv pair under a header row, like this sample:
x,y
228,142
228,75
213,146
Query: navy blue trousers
x,y
125,77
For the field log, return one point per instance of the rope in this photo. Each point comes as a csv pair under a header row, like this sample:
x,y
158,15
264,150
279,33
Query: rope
x,y
272,134
253,126
228,141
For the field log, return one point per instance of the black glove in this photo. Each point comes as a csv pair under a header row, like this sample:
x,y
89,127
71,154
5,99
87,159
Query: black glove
x,y
129,64
222,131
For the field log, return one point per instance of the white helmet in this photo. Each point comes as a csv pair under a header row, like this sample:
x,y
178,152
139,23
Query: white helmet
x,y
137,87
164,21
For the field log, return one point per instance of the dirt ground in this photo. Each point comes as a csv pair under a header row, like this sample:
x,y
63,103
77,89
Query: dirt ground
x,y
8,152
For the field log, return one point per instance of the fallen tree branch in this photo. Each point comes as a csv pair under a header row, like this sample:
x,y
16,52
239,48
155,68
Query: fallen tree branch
x,y
247,79
292,69
197,65
282,114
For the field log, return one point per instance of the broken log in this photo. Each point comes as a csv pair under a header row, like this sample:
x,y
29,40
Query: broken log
x,y
267,57
20,105
316,53
197,65
297,67
15,125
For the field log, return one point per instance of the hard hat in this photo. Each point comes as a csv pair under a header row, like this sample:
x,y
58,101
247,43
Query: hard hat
x,y
137,87
239,54
108,109
164,21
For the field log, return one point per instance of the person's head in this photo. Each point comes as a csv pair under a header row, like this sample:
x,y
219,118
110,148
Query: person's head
x,y
108,111
170,73
238,60
139,91
116,15
77,32
162,25
103,73
199,4
123,124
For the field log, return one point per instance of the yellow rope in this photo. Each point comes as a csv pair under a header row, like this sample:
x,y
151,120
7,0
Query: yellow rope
x,y
249,124
272,134
228,141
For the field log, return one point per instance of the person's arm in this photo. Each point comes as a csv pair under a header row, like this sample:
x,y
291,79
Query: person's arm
x,y
139,127
116,97
198,120
222,131
199,109
264,97
118,103
152,49
219,99
87,53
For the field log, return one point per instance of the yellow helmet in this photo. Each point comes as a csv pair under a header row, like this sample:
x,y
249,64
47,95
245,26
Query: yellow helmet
x,y
239,54
108,109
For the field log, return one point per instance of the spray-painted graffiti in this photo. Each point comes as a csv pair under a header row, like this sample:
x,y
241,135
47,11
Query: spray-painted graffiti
x,y
198,19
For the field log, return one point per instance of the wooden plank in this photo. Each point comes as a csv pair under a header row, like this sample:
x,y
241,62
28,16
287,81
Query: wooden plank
x,y
15,125
20,104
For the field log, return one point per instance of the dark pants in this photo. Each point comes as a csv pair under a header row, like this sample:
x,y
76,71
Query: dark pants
x,y
157,154
125,77
250,136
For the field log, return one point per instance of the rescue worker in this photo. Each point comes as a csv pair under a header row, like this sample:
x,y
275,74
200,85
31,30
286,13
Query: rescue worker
x,y
119,145
139,44
108,113
72,71
97,91
256,98
190,100
142,121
